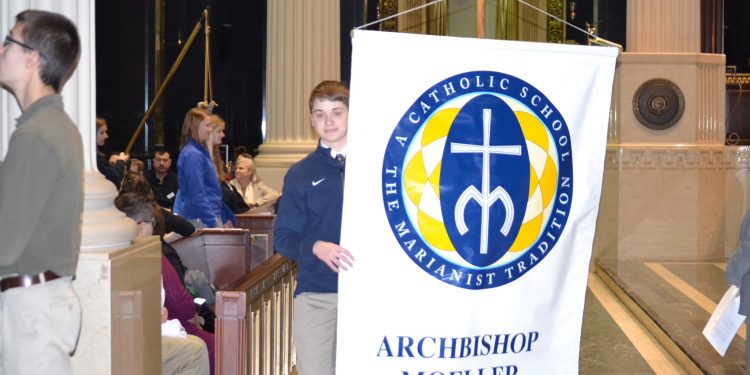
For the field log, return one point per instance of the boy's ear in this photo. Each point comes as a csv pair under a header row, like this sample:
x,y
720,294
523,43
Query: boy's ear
x,y
35,60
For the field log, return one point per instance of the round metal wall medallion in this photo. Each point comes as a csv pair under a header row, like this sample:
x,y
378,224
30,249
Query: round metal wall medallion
x,y
658,104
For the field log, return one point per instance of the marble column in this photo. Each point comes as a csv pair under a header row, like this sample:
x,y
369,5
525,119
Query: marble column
x,y
302,50
415,22
663,26
665,191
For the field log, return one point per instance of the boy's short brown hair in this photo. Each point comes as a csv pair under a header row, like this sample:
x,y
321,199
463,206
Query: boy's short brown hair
x,y
56,39
334,91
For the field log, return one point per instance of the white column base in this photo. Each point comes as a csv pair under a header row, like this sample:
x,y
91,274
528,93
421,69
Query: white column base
x,y
104,227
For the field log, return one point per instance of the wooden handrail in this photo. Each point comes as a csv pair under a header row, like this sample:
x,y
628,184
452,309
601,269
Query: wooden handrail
x,y
254,321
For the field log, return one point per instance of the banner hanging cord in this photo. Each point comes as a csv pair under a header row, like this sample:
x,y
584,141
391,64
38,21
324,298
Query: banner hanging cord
x,y
595,39
398,14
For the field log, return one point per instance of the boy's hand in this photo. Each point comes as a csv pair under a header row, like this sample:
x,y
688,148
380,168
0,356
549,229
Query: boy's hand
x,y
334,256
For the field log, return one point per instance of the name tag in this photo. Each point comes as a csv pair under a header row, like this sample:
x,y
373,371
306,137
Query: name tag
x,y
170,195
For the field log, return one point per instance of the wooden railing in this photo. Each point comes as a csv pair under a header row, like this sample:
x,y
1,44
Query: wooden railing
x,y
254,321
253,327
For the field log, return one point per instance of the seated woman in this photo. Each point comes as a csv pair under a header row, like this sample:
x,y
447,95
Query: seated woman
x,y
178,300
196,281
247,183
200,198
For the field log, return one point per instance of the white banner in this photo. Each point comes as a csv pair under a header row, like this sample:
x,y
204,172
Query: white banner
x,y
472,187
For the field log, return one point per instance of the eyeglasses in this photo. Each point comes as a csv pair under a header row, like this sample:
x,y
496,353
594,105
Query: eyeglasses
x,y
8,40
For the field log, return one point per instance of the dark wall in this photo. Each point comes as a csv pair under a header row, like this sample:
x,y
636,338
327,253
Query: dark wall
x,y
578,13
612,21
353,13
737,34
238,30
125,67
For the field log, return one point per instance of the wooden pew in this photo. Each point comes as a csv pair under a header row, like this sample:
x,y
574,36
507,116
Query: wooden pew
x,y
224,255
254,321
253,326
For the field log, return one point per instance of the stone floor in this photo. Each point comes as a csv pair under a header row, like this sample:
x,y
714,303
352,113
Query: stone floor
x,y
605,349
674,301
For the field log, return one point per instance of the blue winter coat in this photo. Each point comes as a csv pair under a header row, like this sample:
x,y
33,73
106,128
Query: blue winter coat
x,y
200,195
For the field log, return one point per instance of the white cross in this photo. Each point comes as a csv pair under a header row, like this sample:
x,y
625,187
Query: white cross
x,y
485,198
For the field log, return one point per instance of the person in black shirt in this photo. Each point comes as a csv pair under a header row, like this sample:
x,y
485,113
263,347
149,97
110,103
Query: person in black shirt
x,y
163,182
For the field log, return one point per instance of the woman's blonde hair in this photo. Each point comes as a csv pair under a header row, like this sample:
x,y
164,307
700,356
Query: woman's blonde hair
x,y
191,124
248,162
100,122
217,123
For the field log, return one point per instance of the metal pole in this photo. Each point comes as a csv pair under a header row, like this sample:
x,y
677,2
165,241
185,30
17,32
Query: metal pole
x,y
164,85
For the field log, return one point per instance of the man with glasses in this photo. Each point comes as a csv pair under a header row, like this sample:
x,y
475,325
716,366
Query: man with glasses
x,y
41,200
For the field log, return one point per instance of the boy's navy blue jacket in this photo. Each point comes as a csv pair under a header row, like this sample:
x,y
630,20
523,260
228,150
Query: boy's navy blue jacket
x,y
310,210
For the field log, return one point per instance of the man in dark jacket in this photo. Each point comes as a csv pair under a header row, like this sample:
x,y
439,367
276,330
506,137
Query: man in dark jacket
x,y
162,180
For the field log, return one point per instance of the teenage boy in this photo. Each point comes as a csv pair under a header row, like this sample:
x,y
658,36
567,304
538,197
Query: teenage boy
x,y
41,200
308,229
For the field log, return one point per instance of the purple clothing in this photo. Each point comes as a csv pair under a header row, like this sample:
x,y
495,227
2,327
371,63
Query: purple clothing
x,y
179,303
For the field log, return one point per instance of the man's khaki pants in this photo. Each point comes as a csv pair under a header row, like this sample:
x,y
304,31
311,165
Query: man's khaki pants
x,y
184,356
39,326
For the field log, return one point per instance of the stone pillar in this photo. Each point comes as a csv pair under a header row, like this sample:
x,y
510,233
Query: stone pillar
x,y
104,226
663,26
302,49
665,188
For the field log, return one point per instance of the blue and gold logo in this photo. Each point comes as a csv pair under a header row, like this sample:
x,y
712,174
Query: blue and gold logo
x,y
478,179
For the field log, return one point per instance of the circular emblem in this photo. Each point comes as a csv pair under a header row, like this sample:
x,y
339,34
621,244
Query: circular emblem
x,y
478,179
658,104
